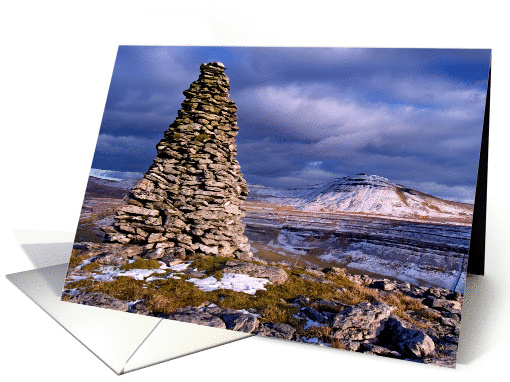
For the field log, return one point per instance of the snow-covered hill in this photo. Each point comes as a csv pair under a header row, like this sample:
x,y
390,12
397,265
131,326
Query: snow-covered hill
x,y
366,194
114,175
121,181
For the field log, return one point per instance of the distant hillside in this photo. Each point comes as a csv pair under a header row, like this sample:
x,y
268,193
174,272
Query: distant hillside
x,y
366,194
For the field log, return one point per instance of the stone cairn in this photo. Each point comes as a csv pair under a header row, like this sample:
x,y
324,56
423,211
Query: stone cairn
x,y
189,202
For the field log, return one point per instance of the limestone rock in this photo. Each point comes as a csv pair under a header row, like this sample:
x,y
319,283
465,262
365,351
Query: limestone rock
x,y
370,348
100,300
410,342
361,322
155,253
310,278
313,315
273,274
277,330
383,284
240,322
196,316
452,306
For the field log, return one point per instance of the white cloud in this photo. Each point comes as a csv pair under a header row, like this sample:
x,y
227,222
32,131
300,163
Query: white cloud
x,y
311,173
463,194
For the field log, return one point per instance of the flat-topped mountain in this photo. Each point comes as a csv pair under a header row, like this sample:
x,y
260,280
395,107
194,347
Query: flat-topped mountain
x,y
364,194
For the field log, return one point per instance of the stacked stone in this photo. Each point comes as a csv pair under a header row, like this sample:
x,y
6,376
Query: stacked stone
x,y
190,199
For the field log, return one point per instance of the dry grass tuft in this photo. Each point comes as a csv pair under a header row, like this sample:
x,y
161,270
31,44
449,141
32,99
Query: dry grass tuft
x,y
356,293
321,332
90,267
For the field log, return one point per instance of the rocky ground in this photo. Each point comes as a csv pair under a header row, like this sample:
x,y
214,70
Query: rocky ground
x,y
323,306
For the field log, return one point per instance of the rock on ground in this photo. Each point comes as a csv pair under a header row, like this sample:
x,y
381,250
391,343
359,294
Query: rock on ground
x,y
273,274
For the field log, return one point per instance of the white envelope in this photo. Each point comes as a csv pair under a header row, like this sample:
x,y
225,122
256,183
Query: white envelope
x,y
123,341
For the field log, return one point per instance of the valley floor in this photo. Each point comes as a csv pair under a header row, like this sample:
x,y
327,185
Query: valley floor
x,y
422,253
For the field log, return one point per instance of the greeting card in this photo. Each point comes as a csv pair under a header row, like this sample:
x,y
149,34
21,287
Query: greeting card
x,y
318,195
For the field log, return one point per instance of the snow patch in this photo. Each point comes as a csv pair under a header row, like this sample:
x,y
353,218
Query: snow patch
x,y
132,303
315,340
236,282
78,278
180,267
72,292
311,323
88,261
110,273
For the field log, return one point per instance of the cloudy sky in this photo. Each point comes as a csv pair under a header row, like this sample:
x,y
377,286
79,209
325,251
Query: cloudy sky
x,y
309,115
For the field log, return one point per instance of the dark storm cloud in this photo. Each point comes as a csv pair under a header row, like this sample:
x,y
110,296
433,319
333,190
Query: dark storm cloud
x,y
309,115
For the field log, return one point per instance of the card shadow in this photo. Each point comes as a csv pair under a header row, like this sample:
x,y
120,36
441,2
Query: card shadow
x,y
478,310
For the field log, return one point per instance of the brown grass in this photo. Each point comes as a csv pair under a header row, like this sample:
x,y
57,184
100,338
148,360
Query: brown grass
x,y
402,303
321,332
337,344
401,196
90,267
141,264
79,284
124,288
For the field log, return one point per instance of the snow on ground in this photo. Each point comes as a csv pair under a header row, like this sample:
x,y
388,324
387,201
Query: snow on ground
x,y
110,273
78,278
233,281
72,292
88,261
180,267
114,175
311,323
132,303
244,311
168,276
287,241
315,340
408,272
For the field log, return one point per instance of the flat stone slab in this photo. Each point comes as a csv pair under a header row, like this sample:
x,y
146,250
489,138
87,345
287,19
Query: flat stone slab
x,y
273,274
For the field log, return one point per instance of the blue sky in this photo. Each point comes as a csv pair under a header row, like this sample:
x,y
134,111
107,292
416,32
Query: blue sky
x,y
309,115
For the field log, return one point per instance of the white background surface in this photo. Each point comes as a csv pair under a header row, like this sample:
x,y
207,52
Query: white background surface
x,y
55,67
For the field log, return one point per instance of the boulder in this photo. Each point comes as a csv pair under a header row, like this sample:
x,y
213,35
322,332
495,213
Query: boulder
x,y
452,306
277,330
273,274
384,284
360,322
100,300
313,315
240,322
156,253
411,342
